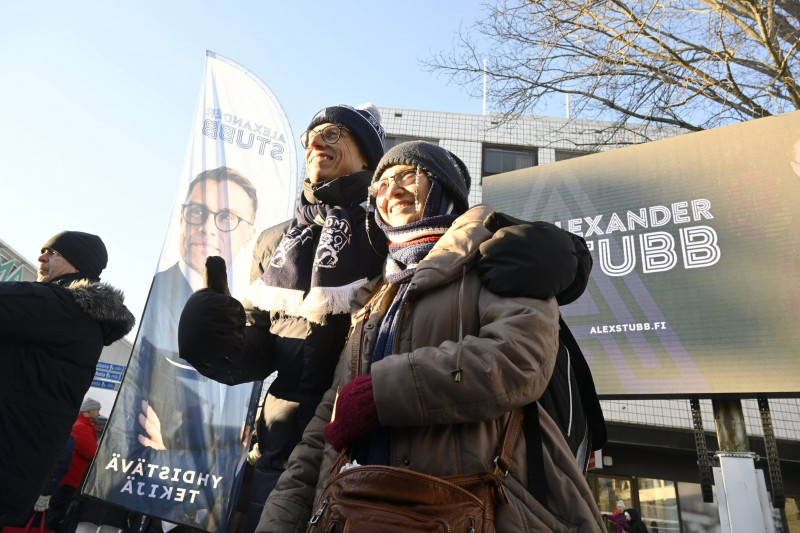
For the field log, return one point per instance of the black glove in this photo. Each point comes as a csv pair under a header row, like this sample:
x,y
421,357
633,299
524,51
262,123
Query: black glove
x,y
211,332
216,275
534,259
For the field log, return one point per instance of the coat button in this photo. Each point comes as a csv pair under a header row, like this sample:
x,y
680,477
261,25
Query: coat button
x,y
406,461
369,326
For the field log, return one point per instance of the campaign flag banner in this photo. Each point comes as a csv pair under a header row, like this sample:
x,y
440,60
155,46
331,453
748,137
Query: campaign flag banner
x,y
695,289
175,442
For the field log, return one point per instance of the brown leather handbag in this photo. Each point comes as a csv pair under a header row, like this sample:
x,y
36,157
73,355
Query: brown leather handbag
x,y
385,499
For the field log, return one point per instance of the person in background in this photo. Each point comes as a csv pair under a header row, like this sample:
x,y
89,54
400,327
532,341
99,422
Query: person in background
x,y
304,273
617,517
635,521
84,433
444,361
52,332
50,488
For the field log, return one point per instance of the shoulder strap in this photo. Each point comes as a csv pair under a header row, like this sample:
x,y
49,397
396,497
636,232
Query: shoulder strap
x,y
589,399
510,440
591,409
535,457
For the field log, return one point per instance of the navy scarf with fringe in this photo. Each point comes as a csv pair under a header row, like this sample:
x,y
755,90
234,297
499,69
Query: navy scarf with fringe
x,y
325,256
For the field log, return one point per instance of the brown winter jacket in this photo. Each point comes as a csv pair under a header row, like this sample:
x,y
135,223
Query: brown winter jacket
x,y
440,426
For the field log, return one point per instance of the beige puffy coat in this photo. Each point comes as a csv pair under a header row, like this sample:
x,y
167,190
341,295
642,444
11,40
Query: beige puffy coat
x,y
506,348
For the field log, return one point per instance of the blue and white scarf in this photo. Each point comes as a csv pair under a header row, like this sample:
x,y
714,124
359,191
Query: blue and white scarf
x,y
325,256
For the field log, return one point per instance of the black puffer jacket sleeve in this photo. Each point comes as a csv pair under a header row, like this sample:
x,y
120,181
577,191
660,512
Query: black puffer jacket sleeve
x,y
534,259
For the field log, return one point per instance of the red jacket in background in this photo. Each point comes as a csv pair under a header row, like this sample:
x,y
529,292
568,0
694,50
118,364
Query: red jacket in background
x,y
85,435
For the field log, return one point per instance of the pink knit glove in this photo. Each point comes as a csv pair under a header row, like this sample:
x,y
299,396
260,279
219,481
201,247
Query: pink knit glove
x,y
356,413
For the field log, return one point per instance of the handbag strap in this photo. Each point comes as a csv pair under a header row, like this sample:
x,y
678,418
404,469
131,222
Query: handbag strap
x,y
30,522
502,463
358,331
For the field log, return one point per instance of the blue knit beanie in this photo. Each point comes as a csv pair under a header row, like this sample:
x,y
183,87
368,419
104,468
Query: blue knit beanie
x,y
363,123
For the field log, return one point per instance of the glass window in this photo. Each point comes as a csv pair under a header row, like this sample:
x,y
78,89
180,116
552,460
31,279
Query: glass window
x,y
563,155
793,514
658,505
609,491
498,160
697,516
394,140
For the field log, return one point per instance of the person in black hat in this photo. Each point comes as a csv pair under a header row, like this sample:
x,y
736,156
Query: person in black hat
x,y
304,273
70,252
52,332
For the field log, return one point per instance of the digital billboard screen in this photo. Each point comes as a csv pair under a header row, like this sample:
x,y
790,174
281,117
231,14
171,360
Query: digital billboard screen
x,y
695,288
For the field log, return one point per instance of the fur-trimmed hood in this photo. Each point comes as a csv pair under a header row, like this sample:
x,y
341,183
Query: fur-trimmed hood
x,y
105,304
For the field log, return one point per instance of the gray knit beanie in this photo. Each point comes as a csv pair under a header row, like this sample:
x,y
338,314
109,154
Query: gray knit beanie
x,y
363,122
440,164
89,404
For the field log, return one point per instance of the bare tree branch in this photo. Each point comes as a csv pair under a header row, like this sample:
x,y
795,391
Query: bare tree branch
x,y
691,64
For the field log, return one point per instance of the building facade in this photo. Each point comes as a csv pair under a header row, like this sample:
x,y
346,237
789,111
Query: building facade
x,y
651,460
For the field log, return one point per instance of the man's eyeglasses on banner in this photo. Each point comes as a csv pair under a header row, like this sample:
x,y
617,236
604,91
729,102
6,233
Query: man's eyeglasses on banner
x,y
225,220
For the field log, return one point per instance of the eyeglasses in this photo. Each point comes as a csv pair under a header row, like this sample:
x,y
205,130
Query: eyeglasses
x,y
225,220
330,134
402,179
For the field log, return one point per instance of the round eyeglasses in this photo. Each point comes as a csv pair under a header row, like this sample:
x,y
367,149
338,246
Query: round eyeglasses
x,y
330,134
225,220
402,179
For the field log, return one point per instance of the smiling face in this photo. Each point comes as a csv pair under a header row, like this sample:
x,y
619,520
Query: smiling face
x,y
52,265
396,204
325,162
199,241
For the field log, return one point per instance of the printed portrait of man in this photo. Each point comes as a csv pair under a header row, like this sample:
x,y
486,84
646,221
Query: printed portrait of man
x,y
217,218
168,414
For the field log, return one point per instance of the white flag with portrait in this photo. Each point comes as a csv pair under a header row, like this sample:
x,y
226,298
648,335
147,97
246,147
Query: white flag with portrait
x,y
175,441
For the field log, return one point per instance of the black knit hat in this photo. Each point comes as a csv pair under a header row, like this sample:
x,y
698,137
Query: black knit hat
x,y
440,164
363,123
86,252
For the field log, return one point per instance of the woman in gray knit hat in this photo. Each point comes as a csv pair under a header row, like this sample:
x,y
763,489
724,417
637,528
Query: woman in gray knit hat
x,y
436,363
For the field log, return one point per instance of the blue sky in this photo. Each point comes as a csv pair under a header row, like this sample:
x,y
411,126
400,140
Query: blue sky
x,y
98,100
